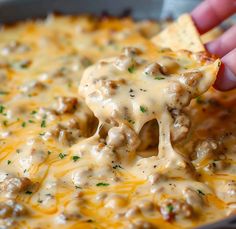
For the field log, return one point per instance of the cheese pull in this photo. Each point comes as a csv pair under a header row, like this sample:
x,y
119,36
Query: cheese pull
x,y
135,88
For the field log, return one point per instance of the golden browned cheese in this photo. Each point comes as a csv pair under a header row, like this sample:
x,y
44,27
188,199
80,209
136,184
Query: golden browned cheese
x,y
60,168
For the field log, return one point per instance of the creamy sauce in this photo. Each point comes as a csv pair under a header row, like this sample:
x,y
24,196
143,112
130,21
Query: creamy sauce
x,y
133,89
128,151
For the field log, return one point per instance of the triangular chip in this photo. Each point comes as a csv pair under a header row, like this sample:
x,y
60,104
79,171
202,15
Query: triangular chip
x,y
181,34
211,35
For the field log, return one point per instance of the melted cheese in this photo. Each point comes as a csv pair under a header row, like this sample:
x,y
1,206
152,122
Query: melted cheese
x,y
135,89
61,167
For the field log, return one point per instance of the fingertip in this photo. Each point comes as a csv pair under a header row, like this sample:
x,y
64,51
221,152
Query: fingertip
x,y
197,17
210,13
224,44
226,79
213,47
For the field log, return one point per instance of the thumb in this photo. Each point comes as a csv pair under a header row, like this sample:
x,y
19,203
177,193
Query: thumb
x,y
226,78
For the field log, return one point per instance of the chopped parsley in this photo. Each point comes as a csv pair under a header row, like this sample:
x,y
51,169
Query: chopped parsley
x,y
78,187
49,152
28,192
2,108
5,122
75,158
8,162
102,184
43,123
4,92
34,112
143,109
170,208
23,124
200,192
159,78
62,155
199,100
131,69
31,121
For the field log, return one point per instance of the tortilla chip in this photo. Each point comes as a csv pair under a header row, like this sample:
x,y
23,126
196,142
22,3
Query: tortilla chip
x,y
209,76
211,35
181,34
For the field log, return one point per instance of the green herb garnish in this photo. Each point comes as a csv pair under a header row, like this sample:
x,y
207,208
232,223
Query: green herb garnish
x,y
159,78
199,100
131,69
23,124
28,192
75,158
4,92
2,108
143,109
102,184
170,208
43,123
62,155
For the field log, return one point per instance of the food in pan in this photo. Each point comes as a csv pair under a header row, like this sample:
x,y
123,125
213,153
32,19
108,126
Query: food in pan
x,y
104,127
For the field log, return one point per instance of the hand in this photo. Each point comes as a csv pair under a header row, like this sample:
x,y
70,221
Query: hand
x,y
206,16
